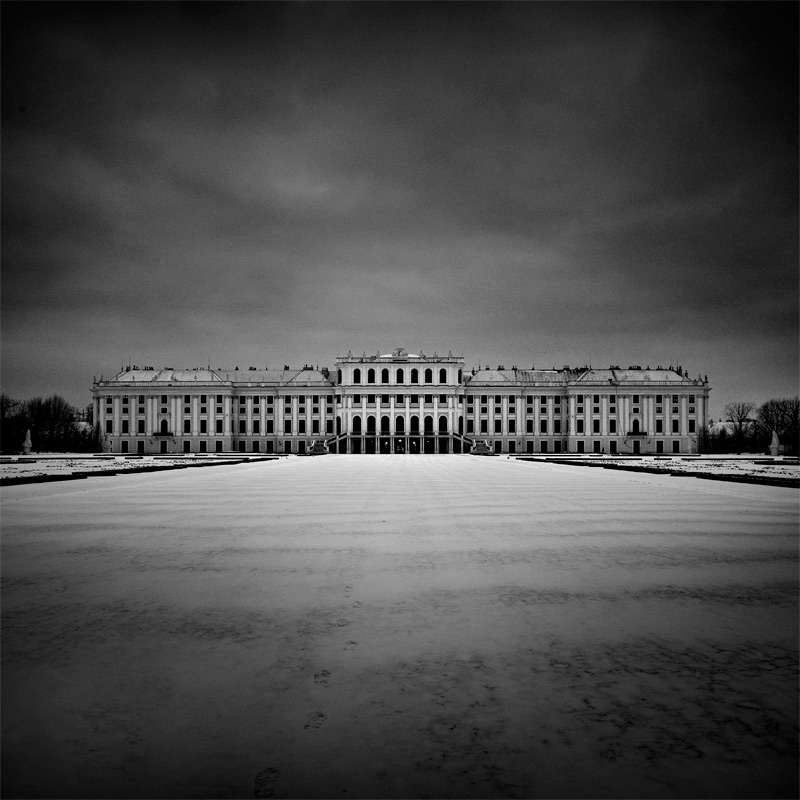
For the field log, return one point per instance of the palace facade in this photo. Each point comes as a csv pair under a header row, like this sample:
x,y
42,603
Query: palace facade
x,y
401,403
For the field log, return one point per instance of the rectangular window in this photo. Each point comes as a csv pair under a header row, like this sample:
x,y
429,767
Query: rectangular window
x,y
356,399
315,426
498,399
579,424
163,398
676,447
256,427
543,426
691,426
442,399
676,426
529,426
287,426
674,398
140,426
484,426
659,409
691,398
329,426
612,447
270,426
544,447
255,447
596,398
556,426
612,426
302,428
187,410
187,399
512,426
512,401
187,426
242,426
659,426
428,398
674,409
109,426
580,447
557,401
470,426
497,428
218,428
414,399
203,447
484,399
400,400
659,398
636,399
595,426
125,426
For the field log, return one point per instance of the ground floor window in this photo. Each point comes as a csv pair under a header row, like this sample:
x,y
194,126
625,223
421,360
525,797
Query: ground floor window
x,y
557,447
659,447
580,447
596,446
163,447
124,447
241,447
512,447
287,447
530,446
544,447
269,447
187,447
140,447
203,447
676,447
218,446
498,447
255,447
612,447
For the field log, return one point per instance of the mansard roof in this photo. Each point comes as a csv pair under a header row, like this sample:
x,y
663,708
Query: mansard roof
x,y
276,376
633,375
166,375
517,376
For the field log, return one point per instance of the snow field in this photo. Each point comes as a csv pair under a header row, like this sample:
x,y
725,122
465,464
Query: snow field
x,y
399,627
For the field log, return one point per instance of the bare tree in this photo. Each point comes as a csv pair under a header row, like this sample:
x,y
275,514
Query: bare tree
x,y
739,414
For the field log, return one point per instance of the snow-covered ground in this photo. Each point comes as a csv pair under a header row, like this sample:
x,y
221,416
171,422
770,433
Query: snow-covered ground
x,y
394,626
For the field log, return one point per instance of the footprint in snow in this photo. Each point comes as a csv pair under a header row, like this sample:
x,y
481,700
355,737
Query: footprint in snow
x,y
350,645
321,677
315,720
264,781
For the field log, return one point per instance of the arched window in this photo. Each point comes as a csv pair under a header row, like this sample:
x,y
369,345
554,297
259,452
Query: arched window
x,y
384,375
356,375
428,376
636,426
164,426
414,376
371,376
442,424
338,376
385,425
429,424
400,377
338,425
399,425
414,424
459,376
370,424
443,375
356,424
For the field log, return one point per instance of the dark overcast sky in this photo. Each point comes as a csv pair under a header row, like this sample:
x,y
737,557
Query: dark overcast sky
x,y
528,183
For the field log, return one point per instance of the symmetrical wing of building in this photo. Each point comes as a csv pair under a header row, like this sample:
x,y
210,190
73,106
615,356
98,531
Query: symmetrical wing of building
x,y
401,403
